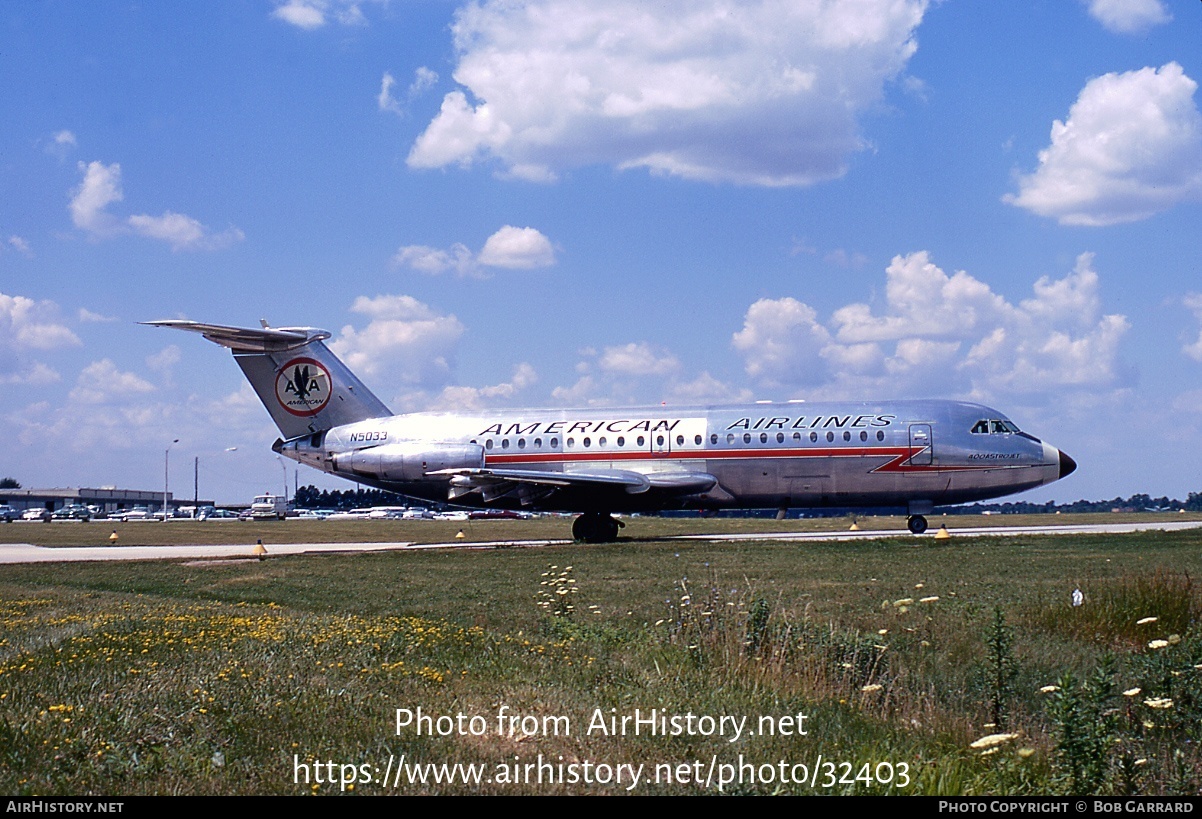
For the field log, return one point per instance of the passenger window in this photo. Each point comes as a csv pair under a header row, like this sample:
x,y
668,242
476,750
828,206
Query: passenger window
x,y
780,437
538,443
680,440
621,440
813,437
730,438
659,440
641,440
863,436
747,437
554,443
713,439
488,444
587,442
846,435
600,442
830,436
763,437
797,437
504,443
880,434
571,442
521,443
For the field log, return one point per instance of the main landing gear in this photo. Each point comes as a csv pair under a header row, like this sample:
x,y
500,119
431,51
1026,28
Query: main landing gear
x,y
596,527
917,524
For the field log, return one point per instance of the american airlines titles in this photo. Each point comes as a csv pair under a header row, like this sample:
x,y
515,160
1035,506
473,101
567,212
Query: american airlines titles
x,y
569,427
666,425
815,422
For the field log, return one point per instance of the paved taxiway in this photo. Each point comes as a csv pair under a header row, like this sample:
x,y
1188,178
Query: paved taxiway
x,y
26,553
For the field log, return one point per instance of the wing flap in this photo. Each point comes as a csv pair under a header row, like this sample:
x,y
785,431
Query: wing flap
x,y
531,485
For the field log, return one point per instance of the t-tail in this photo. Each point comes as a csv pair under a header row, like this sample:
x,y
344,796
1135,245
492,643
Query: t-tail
x,y
304,386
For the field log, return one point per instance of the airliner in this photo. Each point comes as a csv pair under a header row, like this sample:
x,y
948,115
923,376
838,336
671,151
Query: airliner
x,y
601,461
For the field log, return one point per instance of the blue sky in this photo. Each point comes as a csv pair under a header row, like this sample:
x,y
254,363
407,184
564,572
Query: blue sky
x,y
566,203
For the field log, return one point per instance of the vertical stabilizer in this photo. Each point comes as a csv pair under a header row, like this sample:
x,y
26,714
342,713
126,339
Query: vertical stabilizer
x,y
304,386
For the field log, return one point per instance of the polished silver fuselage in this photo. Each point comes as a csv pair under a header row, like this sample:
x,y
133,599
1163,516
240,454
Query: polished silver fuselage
x,y
765,455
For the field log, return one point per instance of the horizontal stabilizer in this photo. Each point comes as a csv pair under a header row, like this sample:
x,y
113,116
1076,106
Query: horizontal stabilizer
x,y
246,339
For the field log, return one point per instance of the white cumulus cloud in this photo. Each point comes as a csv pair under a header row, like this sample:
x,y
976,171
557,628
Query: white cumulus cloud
x,y
638,359
462,398
28,326
940,333
517,248
765,92
405,343
313,14
102,382
101,187
21,246
1129,16
1193,301
1131,147
510,247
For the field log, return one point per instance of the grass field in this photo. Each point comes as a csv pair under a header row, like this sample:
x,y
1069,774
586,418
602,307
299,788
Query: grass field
x,y
157,533
241,677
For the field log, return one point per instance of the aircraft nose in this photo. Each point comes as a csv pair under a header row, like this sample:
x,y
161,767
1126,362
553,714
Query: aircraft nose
x,y
1067,465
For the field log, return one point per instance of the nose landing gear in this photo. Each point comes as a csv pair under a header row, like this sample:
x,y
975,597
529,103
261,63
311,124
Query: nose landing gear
x,y
596,527
917,524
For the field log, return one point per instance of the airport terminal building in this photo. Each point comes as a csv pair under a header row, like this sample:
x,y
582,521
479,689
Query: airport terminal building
x,y
107,499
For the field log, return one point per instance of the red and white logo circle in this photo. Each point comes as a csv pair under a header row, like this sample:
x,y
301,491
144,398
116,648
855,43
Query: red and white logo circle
x,y
302,386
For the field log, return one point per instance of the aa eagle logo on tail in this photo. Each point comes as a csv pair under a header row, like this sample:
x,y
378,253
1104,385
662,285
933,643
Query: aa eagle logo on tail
x,y
302,386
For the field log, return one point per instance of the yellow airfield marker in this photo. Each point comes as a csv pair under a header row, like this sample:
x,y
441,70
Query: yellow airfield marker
x,y
113,537
460,535
855,527
260,551
943,533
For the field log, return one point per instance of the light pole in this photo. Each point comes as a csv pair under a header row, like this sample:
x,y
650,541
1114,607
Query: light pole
x,y
196,481
166,463
284,466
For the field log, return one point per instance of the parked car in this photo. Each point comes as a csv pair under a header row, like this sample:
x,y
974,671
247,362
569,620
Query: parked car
x,y
8,514
73,511
137,513
37,513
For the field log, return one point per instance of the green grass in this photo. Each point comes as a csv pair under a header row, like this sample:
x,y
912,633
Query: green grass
x,y
157,533
127,678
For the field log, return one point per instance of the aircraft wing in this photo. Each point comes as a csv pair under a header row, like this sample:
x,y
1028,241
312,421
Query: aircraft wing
x,y
531,486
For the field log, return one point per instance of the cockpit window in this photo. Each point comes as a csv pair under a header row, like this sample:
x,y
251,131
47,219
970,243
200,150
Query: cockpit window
x,y
994,426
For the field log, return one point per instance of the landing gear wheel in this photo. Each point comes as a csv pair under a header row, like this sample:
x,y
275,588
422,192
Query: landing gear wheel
x,y
917,524
595,527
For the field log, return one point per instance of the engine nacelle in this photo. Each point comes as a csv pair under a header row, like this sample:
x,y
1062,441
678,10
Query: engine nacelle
x,y
409,461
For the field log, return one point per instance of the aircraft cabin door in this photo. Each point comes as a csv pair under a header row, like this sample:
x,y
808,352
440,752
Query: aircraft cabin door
x,y
661,443
921,444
